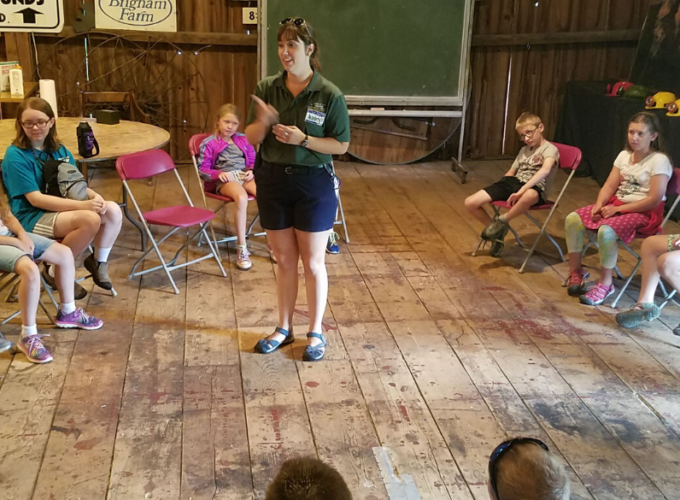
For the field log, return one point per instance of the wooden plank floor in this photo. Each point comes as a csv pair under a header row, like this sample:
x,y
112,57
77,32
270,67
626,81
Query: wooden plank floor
x,y
434,355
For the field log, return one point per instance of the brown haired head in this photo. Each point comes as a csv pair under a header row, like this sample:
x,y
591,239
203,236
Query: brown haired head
x,y
653,125
528,472
307,478
305,33
38,104
225,110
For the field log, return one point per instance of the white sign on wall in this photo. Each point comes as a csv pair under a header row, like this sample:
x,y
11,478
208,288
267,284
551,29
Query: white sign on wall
x,y
138,15
37,16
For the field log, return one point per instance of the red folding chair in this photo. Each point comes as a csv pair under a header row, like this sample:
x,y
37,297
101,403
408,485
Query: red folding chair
x,y
194,149
149,164
570,158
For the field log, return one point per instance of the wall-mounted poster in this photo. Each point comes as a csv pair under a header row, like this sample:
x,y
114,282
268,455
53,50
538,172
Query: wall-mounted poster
x,y
137,15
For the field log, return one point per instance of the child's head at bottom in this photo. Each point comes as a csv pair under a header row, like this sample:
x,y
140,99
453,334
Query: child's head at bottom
x,y
307,478
524,469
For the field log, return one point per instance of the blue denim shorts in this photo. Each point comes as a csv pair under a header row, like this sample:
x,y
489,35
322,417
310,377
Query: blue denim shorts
x,y
9,255
295,196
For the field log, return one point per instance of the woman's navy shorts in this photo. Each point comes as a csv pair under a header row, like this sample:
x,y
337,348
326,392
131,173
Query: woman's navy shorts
x,y
295,196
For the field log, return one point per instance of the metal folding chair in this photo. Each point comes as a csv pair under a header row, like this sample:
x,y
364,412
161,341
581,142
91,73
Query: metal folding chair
x,y
149,164
194,149
339,211
673,188
570,159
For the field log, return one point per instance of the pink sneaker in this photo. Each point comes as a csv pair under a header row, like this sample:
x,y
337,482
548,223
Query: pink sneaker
x,y
34,349
597,295
78,319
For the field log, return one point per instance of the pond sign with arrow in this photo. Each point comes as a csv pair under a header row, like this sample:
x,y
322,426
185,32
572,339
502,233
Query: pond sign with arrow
x,y
37,16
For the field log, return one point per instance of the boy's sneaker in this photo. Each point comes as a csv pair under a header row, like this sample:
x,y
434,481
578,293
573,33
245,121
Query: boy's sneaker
x,y
576,282
638,314
243,259
332,245
78,319
99,272
597,295
496,230
34,349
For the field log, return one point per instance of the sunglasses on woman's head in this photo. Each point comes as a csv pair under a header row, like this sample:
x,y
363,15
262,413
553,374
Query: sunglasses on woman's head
x,y
501,450
297,22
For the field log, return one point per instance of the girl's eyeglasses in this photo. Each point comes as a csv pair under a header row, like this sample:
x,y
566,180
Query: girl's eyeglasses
x,y
501,450
39,124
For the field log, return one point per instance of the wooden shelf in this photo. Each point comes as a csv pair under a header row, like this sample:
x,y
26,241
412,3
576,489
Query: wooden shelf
x,y
29,89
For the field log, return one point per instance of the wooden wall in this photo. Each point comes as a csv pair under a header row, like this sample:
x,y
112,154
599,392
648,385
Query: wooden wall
x,y
211,40
509,78
509,74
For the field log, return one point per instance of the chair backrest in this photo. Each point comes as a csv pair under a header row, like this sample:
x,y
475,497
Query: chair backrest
x,y
144,164
673,187
570,156
195,143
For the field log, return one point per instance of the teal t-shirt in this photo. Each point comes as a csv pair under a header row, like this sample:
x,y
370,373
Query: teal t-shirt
x,y
22,173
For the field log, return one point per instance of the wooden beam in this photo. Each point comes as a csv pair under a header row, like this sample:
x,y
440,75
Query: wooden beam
x,y
18,48
632,35
179,38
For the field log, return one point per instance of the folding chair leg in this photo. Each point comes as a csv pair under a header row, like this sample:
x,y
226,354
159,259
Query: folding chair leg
x,y
212,232
342,218
630,278
479,244
519,240
134,222
160,256
213,249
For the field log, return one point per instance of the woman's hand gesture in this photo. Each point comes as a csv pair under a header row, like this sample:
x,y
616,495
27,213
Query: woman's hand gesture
x,y
288,135
266,113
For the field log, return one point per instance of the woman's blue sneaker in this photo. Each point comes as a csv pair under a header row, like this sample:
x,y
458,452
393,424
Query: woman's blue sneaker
x,y
332,245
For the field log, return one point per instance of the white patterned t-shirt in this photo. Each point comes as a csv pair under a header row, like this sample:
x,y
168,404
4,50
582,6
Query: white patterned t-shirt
x,y
530,160
636,178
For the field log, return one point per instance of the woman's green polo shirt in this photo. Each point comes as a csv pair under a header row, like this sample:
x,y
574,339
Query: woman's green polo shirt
x,y
319,111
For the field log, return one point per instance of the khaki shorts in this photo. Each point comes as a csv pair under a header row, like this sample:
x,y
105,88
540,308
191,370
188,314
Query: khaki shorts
x,y
671,239
45,225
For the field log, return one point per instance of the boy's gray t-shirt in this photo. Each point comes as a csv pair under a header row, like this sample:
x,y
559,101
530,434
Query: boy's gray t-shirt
x,y
529,161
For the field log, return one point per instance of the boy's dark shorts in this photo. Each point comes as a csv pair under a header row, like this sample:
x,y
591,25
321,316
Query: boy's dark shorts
x,y
501,190
295,196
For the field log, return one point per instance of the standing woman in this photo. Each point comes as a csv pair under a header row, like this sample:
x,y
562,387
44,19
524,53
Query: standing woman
x,y
299,119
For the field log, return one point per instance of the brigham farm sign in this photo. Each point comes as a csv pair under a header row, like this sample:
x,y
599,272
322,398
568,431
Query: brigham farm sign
x,y
146,15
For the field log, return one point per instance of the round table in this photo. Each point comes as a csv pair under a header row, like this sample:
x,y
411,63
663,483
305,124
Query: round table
x,y
116,140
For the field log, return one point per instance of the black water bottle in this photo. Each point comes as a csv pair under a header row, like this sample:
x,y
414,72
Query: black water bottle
x,y
87,144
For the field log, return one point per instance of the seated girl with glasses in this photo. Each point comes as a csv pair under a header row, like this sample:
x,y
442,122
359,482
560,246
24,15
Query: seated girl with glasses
x,y
78,223
523,186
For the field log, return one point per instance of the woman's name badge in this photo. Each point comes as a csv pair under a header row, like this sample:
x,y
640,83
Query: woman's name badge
x,y
315,117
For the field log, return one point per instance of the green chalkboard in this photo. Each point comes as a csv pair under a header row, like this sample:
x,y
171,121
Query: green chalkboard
x,y
411,49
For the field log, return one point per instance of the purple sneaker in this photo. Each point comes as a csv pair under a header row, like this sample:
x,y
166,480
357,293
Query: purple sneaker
x,y
34,349
78,319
